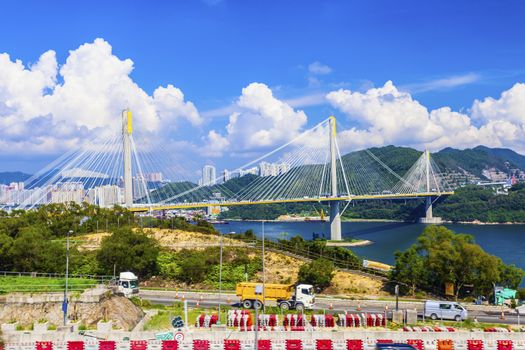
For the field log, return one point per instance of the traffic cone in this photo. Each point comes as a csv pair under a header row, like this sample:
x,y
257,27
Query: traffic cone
x,y
331,306
177,295
502,317
229,300
182,298
198,303
358,306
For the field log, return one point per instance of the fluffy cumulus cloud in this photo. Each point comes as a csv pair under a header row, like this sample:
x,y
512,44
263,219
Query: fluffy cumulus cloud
x,y
45,108
261,121
386,115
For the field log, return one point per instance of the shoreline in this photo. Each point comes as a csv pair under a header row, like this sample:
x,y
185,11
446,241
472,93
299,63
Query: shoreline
x,y
475,222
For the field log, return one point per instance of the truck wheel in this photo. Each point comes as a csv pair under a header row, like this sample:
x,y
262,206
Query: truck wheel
x,y
284,306
457,318
434,317
247,304
299,307
257,305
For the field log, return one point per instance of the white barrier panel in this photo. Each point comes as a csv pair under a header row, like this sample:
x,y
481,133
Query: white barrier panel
x,y
278,345
369,344
308,345
186,346
123,345
460,345
338,345
59,345
247,346
216,346
154,345
91,346
519,345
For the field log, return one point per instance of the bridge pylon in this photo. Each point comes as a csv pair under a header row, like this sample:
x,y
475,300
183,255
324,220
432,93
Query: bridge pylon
x,y
429,218
335,210
127,129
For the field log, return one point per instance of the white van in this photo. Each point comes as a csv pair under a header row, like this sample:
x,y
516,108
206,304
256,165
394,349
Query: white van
x,y
445,310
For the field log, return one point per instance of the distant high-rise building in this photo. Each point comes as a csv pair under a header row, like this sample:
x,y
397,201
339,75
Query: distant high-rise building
x,y
140,187
209,175
154,177
225,175
273,169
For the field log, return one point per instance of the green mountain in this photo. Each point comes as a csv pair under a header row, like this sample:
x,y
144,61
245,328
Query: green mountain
x,y
7,177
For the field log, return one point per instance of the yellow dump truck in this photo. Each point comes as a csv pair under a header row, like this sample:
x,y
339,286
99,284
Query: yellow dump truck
x,y
287,296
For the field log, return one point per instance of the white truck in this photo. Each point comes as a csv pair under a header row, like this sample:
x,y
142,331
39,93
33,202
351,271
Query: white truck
x,y
127,284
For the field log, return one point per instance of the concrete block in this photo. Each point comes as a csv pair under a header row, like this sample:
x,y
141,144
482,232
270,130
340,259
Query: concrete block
x,y
9,327
105,327
40,327
397,316
411,317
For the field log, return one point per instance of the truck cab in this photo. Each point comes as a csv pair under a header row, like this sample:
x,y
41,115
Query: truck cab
x,y
127,284
303,298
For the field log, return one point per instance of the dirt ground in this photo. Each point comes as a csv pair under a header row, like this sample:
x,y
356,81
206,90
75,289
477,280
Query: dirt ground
x,y
279,267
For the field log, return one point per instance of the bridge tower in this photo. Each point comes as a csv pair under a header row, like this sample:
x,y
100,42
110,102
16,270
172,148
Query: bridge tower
x,y
335,213
429,218
127,128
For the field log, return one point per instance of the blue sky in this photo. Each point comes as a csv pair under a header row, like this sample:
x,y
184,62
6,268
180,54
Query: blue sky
x,y
436,53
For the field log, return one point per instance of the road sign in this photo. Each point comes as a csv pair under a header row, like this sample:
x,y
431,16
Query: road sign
x,y
179,336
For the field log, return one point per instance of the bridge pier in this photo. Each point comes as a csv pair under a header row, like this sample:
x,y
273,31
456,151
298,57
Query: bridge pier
x,y
429,218
335,221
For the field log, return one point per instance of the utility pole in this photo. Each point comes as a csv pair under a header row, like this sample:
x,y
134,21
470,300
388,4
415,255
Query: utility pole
x,y
335,214
66,302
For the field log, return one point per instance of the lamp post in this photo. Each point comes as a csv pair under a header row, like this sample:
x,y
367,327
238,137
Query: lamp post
x,y
220,281
65,303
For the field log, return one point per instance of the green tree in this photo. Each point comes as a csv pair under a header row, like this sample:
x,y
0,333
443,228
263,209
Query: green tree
x,y
409,269
318,272
6,243
128,250
441,256
33,251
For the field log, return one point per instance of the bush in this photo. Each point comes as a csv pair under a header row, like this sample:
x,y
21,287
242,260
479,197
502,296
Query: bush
x,y
317,272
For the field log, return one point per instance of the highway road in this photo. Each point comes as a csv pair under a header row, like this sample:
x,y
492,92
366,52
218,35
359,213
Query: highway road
x,y
333,305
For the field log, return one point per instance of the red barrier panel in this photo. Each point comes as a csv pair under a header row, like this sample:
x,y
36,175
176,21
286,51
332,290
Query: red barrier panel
x,y
170,345
354,344
294,344
201,345
232,344
505,345
445,344
264,344
44,345
75,345
106,345
474,344
384,341
323,344
329,321
139,344
417,343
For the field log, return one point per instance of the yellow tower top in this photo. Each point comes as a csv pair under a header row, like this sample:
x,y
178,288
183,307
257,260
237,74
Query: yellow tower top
x,y
130,122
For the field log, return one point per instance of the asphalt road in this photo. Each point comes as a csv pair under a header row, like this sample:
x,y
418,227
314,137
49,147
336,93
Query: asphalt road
x,y
330,305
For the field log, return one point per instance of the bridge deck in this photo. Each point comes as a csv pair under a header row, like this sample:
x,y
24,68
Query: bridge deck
x,y
167,206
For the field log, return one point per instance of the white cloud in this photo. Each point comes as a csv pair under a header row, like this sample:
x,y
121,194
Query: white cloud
x,y
261,121
386,115
39,115
319,68
443,83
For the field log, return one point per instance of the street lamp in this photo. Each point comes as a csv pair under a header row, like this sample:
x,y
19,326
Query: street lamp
x,y
65,303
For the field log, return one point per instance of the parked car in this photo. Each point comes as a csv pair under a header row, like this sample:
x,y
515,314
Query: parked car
x,y
445,310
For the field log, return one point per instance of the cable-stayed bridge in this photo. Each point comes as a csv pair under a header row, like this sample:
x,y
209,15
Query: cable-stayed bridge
x,y
118,170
